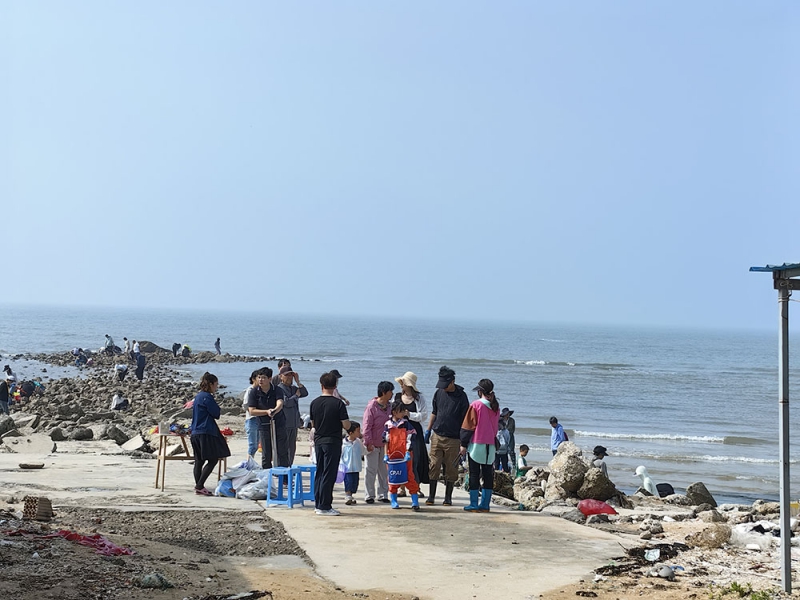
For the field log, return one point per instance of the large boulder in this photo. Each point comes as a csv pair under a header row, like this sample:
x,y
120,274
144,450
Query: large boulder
x,y
81,434
150,347
698,494
567,469
596,486
715,536
115,433
528,492
6,424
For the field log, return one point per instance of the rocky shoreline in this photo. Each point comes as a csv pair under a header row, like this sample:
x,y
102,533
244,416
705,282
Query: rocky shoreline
x,y
731,542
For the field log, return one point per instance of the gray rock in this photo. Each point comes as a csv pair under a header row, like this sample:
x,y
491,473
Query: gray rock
x,y
6,424
34,444
81,433
596,486
135,443
766,508
25,420
57,434
642,492
699,494
574,515
678,500
711,516
567,469
646,535
115,433
715,536
594,519
703,508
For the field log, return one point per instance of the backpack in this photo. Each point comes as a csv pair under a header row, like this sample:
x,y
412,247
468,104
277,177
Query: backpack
x,y
503,439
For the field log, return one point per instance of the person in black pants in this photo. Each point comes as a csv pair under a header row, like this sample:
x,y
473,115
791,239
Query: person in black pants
x,y
267,404
328,417
140,363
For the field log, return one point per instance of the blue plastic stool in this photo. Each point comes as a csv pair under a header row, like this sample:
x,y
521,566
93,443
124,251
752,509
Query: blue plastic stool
x,y
290,498
300,494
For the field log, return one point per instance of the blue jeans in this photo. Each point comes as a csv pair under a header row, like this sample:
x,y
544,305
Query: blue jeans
x,y
4,407
251,428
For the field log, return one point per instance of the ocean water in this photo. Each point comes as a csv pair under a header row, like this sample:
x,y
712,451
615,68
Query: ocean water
x,y
689,405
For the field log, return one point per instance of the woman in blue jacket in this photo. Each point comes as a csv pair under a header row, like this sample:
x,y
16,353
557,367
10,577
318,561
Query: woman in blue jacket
x,y
208,443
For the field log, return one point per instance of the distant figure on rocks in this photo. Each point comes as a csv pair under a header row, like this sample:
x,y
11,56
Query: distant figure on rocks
x,y
175,347
557,435
136,350
121,371
217,347
647,483
7,370
140,363
80,358
186,351
598,461
127,347
108,346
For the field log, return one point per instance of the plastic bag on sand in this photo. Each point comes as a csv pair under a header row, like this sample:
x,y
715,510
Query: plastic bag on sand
x,y
742,536
225,489
253,491
595,507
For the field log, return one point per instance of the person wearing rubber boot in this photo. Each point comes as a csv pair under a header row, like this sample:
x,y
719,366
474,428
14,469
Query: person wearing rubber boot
x,y
398,435
449,406
478,435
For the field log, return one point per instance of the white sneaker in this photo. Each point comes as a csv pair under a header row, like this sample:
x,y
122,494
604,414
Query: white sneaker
x,y
328,513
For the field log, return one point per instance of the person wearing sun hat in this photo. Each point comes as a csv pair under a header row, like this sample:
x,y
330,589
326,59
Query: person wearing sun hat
x,y
511,426
417,406
598,461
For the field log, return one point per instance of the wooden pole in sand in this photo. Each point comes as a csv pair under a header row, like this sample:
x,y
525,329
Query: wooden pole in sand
x,y
783,436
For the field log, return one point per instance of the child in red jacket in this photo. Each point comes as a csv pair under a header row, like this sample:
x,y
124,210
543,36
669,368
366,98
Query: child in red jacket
x,y
398,434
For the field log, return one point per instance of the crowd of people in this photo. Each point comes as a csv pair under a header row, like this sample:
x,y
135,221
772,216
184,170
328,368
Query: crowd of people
x,y
402,440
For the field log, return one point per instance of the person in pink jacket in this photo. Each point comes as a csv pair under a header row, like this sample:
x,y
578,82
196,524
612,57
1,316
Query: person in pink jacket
x,y
375,417
478,433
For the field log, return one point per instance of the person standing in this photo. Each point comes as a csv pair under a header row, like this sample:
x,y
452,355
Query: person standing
x,y
208,443
136,351
375,417
291,406
127,348
175,348
450,405
511,426
267,405
250,421
108,347
328,417
217,347
557,435
417,416
282,362
140,364
478,434
336,391
4,396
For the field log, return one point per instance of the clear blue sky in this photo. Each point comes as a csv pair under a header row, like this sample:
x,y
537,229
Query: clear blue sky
x,y
603,162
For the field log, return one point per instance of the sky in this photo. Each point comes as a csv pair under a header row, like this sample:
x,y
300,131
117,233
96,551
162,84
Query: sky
x,y
616,162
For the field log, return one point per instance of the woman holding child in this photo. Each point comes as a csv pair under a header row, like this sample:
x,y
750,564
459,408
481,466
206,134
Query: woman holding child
x,y
418,414
478,434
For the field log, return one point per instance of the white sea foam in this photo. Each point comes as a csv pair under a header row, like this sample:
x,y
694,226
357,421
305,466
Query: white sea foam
x,y
530,362
652,436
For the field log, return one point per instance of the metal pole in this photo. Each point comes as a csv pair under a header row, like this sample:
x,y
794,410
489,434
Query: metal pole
x,y
783,439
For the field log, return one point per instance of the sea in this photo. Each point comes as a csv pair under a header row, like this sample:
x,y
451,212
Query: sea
x,y
690,405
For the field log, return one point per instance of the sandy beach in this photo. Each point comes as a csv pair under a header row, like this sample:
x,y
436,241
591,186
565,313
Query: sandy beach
x,y
217,547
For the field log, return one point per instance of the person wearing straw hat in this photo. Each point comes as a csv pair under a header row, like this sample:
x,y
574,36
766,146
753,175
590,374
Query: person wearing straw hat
x,y
417,415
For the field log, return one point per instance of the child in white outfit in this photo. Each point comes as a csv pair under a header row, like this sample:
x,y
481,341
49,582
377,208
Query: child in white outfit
x,y
352,451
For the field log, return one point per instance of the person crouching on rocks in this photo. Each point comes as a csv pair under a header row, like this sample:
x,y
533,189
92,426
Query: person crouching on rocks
x,y
398,435
478,434
208,443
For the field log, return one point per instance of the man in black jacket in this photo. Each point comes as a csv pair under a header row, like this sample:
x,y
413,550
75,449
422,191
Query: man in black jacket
x,y
450,405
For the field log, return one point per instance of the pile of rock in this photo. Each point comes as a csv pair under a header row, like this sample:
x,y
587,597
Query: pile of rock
x,y
79,409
